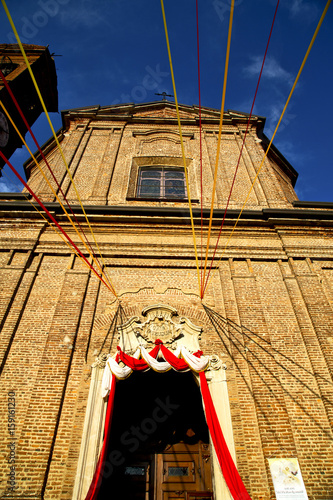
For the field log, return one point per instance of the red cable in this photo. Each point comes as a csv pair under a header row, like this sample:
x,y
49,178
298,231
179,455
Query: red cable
x,y
199,91
240,153
48,213
48,166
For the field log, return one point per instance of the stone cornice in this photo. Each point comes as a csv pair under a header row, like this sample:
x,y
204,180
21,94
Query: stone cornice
x,y
12,206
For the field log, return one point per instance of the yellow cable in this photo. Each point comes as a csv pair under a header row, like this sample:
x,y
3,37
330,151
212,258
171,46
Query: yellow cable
x,y
181,142
51,126
48,222
276,128
53,227
53,191
220,134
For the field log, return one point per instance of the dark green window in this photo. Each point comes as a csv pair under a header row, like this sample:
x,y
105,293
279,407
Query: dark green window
x,y
161,182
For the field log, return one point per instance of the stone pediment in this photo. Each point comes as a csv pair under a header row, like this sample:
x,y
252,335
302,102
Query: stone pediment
x,y
156,109
160,324
165,112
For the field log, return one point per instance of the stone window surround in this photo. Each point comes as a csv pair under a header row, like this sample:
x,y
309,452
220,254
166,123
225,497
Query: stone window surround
x,y
163,181
158,161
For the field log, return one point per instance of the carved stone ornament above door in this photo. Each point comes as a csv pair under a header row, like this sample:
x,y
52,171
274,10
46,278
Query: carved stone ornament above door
x,y
159,325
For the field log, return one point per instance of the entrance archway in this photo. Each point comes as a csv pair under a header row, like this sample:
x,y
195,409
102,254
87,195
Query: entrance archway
x,y
159,447
140,348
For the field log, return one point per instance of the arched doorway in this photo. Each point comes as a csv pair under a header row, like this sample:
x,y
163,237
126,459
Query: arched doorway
x,y
159,446
133,335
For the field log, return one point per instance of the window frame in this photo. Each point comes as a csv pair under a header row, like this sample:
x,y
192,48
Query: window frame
x,y
174,162
162,183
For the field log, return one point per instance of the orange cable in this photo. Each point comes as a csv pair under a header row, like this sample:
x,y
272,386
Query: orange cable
x,y
219,137
277,126
50,123
53,191
46,220
181,142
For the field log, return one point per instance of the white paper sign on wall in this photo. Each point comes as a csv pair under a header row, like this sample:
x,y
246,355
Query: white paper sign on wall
x,y
287,479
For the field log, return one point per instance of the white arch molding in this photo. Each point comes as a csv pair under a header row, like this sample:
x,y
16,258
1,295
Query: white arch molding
x,y
135,333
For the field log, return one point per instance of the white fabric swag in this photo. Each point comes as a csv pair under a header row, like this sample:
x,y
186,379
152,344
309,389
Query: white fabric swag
x,y
121,372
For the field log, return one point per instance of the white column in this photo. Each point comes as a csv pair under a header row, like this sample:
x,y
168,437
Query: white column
x,y
92,437
217,384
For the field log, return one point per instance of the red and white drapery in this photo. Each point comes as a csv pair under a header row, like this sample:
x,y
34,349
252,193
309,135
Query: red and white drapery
x,y
181,360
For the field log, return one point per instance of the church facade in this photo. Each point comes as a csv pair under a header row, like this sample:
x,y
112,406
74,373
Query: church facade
x,y
264,325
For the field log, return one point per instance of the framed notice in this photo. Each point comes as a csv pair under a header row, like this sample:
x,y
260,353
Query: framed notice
x,y
199,495
287,479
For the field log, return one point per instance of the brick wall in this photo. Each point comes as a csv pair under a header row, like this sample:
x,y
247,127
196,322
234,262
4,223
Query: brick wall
x,y
274,286
99,155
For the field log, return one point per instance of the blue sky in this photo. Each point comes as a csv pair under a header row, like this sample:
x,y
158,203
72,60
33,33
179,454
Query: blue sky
x,y
115,51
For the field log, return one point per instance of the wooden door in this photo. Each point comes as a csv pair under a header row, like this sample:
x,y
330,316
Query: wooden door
x,y
134,481
182,471
160,440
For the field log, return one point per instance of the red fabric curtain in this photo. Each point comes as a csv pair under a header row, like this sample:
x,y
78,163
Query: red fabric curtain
x,y
137,364
228,468
179,364
98,476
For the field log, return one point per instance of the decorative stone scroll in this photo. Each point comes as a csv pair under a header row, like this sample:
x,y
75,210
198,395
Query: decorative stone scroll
x,y
159,325
215,363
100,361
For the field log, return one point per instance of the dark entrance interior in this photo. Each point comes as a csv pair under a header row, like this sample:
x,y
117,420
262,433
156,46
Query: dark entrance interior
x,y
159,447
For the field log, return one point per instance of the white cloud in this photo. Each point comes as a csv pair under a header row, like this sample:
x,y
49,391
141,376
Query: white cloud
x,y
7,187
303,8
272,69
273,116
302,191
87,16
114,73
295,6
290,151
244,105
